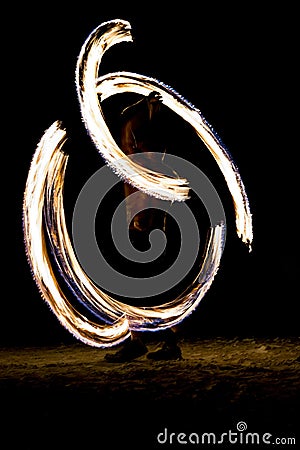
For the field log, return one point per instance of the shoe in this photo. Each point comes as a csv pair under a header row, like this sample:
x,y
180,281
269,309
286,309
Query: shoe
x,y
132,349
165,353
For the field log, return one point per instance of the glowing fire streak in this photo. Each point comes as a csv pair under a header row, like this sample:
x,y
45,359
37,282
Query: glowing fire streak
x,y
43,165
43,211
44,198
161,186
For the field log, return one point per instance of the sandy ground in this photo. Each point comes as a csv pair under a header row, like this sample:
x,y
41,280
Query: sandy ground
x,y
71,393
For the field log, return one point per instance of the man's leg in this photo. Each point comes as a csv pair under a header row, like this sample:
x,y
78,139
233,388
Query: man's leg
x,y
133,348
169,350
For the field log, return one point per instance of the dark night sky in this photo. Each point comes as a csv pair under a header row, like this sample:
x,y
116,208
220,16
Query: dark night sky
x,y
239,70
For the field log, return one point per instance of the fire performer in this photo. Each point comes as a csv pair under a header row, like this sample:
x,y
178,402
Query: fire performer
x,y
143,131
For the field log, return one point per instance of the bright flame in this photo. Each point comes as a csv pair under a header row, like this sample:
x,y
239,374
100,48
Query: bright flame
x,y
43,212
90,88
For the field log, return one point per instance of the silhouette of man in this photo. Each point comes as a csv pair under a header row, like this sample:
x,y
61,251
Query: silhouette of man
x,y
143,131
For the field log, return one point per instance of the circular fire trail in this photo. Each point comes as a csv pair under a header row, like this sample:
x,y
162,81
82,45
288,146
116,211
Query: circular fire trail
x,y
45,232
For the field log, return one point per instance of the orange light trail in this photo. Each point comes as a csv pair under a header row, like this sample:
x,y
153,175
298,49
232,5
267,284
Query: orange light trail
x,y
44,221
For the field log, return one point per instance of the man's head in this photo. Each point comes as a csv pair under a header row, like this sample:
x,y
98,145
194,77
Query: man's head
x,y
154,97
154,101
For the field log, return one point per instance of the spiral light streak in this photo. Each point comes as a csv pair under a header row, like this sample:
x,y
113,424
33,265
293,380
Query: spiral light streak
x,y
161,186
48,155
44,199
45,231
87,69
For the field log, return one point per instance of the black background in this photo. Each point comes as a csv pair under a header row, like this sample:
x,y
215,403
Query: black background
x,y
237,64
